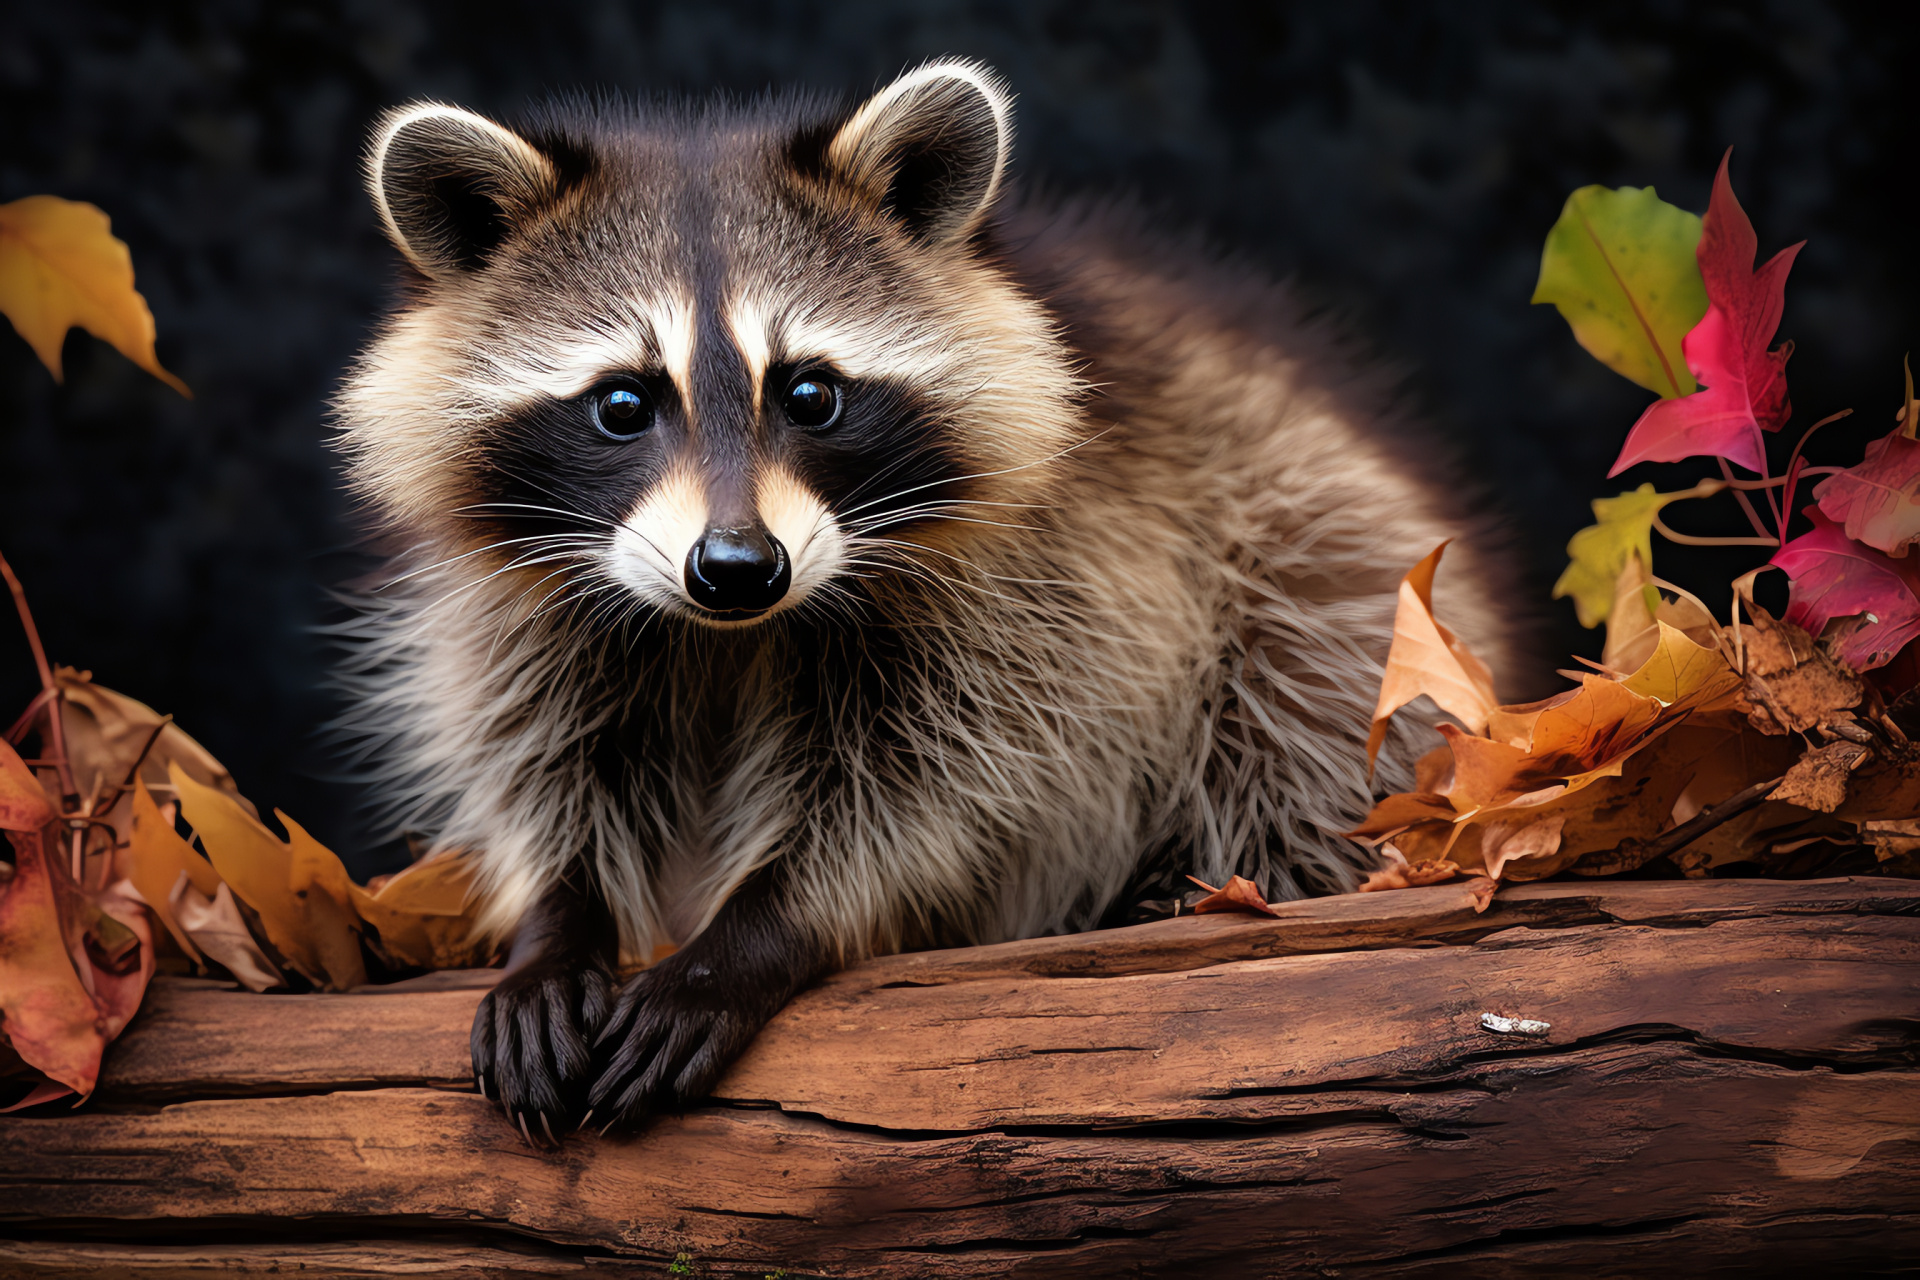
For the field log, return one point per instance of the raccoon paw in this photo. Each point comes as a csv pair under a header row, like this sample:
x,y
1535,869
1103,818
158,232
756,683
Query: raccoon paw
x,y
532,1045
675,1028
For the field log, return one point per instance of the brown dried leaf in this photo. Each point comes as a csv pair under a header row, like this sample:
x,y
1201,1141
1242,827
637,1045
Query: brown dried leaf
x,y
1793,680
221,935
1519,840
1239,894
106,733
1410,875
1819,780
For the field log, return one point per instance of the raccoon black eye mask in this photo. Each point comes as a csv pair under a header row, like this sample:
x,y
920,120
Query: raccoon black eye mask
x,y
804,549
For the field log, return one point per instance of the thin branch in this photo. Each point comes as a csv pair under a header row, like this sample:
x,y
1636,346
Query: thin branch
x,y
56,731
1699,824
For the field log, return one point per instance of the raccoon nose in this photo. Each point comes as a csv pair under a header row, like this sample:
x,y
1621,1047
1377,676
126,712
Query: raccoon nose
x,y
738,571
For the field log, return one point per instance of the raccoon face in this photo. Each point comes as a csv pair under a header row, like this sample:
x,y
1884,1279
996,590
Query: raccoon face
x,y
714,365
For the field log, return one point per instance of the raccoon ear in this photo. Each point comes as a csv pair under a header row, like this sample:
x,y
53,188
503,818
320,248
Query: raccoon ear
x,y
450,185
930,148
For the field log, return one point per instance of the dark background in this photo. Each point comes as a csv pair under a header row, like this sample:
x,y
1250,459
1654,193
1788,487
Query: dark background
x,y
1403,162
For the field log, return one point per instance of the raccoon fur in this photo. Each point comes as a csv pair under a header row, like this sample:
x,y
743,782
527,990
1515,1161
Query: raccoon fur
x,y
804,549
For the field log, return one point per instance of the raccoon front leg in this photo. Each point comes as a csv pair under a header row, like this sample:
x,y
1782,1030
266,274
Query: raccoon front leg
x,y
533,1033
678,1025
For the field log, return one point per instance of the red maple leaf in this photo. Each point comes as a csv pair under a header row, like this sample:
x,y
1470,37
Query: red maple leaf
x,y
1835,577
1879,500
1743,385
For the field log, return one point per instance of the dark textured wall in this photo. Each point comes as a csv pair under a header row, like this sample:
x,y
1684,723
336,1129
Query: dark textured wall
x,y
1403,161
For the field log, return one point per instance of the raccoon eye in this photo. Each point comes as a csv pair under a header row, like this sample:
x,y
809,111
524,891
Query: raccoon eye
x,y
812,401
623,412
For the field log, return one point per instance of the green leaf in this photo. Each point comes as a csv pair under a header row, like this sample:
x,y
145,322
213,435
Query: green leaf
x,y
1620,267
1599,552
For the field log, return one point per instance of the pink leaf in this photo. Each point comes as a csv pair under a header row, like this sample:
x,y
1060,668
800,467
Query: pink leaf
x,y
1879,500
1835,577
1744,385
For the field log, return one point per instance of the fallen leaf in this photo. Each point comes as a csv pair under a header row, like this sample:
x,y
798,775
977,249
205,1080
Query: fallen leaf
x,y
313,931
46,1012
1834,576
1620,267
1745,384
108,733
1818,780
1410,875
120,984
222,936
1427,658
1631,633
154,859
61,266
1506,841
422,916
1239,894
24,805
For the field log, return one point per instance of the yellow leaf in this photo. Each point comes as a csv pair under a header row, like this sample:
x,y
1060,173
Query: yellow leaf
x,y
313,931
1631,634
1599,552
422,915
61,266
154,860
1426,658
1679,671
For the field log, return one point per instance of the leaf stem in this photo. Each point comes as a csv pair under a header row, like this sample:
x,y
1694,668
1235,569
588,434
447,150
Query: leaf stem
x,y
1689,540
1793,461
1746,504
56,731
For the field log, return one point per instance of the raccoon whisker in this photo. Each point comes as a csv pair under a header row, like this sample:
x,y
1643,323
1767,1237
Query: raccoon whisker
x,y
540,608
915,517
985,573
946,504
530,562
464,555
520,562
582,516
980,475
555,538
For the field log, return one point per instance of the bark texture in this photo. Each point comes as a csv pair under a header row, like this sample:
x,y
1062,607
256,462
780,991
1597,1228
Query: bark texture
x,y
1727,1085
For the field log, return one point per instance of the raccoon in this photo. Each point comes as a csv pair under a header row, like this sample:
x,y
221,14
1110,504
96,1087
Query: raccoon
x,y
805,549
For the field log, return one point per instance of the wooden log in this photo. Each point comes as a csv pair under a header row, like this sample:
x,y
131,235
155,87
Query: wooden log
x,y
1727,1086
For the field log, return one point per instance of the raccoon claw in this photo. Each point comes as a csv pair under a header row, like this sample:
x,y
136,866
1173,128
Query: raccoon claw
x,y
531,1042
672,1034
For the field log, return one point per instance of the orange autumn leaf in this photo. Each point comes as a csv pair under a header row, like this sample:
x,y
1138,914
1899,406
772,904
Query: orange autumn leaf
x,y
1238,894
24,805
1426,658
46,1013
62,266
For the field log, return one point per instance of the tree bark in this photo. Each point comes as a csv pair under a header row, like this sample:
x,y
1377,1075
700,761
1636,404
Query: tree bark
x,y
1727,1085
